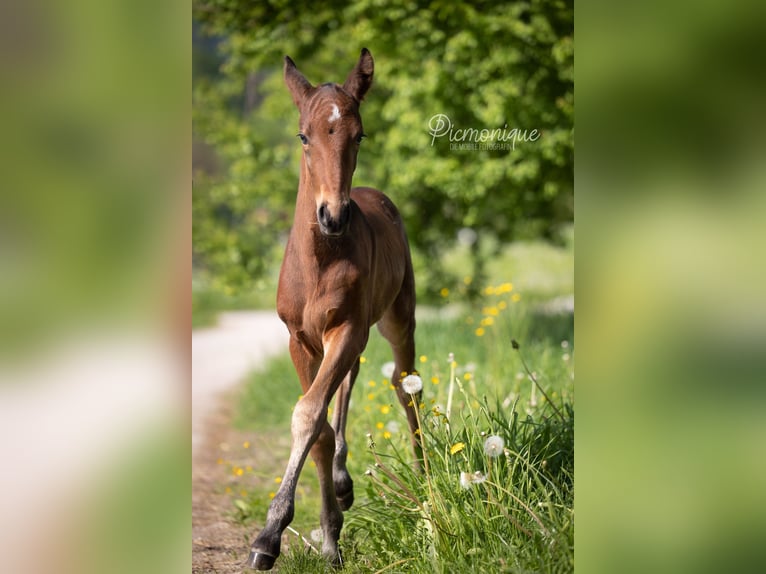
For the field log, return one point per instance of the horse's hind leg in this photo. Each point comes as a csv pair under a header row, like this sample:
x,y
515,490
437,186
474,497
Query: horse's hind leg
x,y
344,486
398,327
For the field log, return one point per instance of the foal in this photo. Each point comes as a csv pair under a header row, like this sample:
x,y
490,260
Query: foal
x,y
347,266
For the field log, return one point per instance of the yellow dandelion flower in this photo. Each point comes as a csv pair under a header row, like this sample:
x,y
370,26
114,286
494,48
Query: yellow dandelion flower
x,y
278,479
444,292
238,471
329,411
386,434
502,305
385,409
392,387
423,358
480,332
246,444
370,396
457,447
515,297
468,376
421,406
219,461
467,279
272,495
489,290
379,425
453,364
367,409
371,384
362,360
487,321
229,490
434,380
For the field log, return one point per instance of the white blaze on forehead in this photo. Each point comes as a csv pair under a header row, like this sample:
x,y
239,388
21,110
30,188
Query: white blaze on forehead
x,y
335,113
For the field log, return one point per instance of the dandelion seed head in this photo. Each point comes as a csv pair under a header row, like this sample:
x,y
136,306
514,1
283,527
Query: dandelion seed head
x,y
412,384
316,535
494,445
388,369
468,479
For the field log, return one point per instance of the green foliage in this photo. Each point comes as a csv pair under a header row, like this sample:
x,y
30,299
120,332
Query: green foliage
x,y
485,65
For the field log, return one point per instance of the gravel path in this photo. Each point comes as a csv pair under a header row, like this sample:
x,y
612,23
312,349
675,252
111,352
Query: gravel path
x,y
224,354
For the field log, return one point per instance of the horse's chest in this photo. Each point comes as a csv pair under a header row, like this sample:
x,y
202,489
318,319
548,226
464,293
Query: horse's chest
x,y
310,303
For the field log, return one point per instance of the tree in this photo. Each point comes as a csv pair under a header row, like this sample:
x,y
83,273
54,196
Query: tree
x,y
484,66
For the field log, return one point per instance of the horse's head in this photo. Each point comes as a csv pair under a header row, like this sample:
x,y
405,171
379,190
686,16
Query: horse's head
x,y
331,131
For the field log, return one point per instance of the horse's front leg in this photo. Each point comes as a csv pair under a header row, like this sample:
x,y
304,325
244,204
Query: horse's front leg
x,y
311,433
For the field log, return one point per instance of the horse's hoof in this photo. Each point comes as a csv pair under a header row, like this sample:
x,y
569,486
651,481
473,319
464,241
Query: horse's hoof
x,y
260,561
346,500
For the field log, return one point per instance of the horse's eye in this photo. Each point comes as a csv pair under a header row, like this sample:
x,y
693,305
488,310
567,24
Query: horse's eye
x,y
360,138
304,139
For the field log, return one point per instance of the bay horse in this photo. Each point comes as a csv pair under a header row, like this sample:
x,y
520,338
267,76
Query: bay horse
x,y
347,266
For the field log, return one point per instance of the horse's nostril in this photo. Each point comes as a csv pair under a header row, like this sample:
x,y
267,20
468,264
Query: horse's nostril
x,y
344,213
322,214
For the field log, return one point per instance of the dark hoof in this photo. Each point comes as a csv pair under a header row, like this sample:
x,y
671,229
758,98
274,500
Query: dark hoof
x,y
260,561
346,500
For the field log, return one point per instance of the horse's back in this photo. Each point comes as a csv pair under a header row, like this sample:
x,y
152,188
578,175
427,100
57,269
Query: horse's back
x,y
380,211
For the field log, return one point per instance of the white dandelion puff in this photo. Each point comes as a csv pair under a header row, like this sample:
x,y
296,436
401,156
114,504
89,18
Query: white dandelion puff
x,y
317,535
468,479
412,384
392,427
388,369
494,445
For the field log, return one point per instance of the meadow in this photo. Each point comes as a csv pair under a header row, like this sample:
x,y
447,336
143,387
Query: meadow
x,y
497,412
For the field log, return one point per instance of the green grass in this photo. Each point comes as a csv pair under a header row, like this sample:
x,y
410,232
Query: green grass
x,y
519,519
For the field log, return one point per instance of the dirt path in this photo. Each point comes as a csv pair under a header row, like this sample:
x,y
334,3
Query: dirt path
x,y
222,356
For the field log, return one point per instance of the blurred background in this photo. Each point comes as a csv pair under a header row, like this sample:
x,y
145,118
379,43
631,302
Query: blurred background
x,y
671,200
94,296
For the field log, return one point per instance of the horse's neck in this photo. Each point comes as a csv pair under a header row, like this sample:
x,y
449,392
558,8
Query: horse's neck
x,y
311,249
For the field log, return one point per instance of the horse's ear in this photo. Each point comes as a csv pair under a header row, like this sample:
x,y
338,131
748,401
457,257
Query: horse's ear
x,y
360,78
296,82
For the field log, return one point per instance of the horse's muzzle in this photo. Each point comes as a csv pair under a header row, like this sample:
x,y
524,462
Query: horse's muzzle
x,y
334,225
